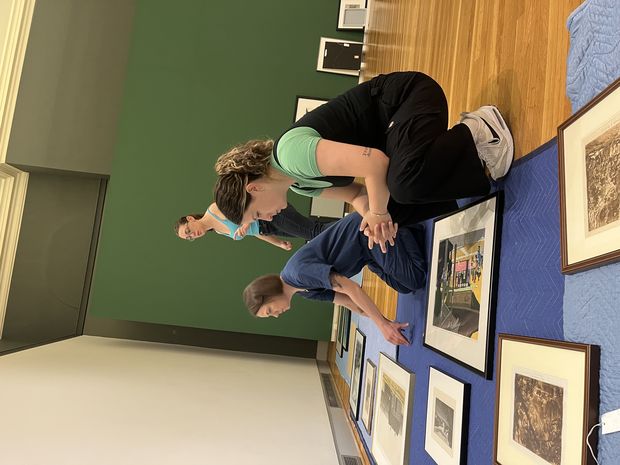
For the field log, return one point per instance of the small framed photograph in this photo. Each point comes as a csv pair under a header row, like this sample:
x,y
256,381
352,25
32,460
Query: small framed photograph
x,y
368,403
346,327
339,56
339,331
460,311
589,177
356,375
547,399
392,414
352,15
305,105
447,419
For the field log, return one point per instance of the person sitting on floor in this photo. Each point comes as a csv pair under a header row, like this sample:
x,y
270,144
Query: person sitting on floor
x,y
322,269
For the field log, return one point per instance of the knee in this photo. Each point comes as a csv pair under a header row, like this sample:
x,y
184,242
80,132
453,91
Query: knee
x,y
403,191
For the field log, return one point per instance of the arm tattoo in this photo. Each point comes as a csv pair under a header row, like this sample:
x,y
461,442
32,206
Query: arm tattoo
x,y
333,281
366,152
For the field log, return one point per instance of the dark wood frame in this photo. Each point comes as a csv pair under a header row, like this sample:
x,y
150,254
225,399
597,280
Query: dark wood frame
x,y
591,388
372,401
487,372
346,327
599,259
464,417
355,409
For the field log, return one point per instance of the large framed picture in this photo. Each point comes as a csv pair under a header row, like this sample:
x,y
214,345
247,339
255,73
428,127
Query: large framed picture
x,y
460,311
356,375
392,413
305,105
368,403
339,56
447,419
352,15
547,398
589,178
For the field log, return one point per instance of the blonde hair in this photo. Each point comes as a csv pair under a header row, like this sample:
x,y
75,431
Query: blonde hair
x,y
236,168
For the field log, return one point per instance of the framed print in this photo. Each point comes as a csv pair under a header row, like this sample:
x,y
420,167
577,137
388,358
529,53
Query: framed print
x,y
352,15
447,419
339,56
368,402
547,398
305,105
339,330
346,327
589,178
462,284
356,375
392,413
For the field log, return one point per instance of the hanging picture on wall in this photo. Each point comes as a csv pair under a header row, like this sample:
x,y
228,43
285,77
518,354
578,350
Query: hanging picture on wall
x,y
447,418
547,398
392,413
368,402
352,15
589,177
305,105
340,56
346,327
338,308
356,375
462,285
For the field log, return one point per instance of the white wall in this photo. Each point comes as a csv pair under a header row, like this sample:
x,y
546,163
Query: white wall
x,y
93,401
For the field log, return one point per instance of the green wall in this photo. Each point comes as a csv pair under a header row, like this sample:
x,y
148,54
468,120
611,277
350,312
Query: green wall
x,y
202,76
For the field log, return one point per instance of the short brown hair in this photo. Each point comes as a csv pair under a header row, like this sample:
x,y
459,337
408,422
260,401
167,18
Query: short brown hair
x,y
261,290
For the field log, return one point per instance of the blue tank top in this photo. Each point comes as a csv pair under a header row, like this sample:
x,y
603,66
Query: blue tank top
x,y
232,227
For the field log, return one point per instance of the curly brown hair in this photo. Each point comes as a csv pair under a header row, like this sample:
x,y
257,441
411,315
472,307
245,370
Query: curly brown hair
x,y
236,168
261,290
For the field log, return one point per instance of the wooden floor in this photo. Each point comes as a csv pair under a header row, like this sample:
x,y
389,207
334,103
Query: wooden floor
x,y
510,53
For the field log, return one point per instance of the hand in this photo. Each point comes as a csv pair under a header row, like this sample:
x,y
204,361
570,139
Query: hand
x,y
241,231
379,229
286,245
392,332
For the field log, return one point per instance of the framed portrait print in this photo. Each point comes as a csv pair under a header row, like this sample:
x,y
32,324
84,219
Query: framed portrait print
x,y
356,375
589,178
368,402
339,56
447,419
462,284
305,105
392,413
547,398
352,15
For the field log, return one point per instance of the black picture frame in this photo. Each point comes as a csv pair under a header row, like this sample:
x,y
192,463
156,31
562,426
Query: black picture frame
x,y
355,389
462,285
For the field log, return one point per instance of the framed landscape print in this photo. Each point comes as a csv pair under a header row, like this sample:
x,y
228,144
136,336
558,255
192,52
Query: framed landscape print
x,y
547,398
460,311
356,375
392,413
339,56
368,402
589,178
305,105
447,419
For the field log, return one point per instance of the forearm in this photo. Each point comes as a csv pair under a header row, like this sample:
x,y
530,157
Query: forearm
x,y
378,193
270,239
365,304
345,301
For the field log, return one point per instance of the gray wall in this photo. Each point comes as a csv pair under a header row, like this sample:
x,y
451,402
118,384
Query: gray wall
x,y
52,256
71,88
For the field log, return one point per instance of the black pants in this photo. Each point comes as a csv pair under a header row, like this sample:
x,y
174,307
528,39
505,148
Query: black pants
x,y
405,114
290,223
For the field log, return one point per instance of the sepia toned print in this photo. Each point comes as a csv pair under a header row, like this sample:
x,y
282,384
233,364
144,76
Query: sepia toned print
x,y
538,417
459,283
602,157
393,404
369,395
443,425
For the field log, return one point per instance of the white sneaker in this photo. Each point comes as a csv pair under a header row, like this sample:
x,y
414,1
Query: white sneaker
x,y
492,138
